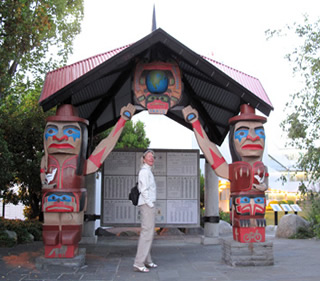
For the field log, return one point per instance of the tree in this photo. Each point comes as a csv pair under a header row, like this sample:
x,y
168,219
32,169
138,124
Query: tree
x,y
6,162
202,180
303,111
22,122
35,37
302,124
133,136
29,30
6,165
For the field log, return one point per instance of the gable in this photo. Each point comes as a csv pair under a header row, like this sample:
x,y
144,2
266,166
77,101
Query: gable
x,y
99,86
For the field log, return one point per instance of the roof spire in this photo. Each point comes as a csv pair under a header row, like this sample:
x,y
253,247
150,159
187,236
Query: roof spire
x,y
154,22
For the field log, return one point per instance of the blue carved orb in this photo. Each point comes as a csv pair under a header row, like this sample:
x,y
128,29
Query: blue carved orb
x,y
157,81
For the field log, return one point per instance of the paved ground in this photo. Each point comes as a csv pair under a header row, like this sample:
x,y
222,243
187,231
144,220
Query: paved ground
x,y
180,257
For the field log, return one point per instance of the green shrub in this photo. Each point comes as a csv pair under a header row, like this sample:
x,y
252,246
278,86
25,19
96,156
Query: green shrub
x,y
34,227
303,233
18,227
5,240
2,226
312,205
23,229
313,215
225,216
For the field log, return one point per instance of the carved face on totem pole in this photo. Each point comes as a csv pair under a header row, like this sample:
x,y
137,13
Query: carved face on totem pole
x,y
248,176
63,133
247,136
63,137
157,86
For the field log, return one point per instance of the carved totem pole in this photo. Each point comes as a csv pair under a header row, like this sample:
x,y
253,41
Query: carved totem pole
x,y
247,174
63,169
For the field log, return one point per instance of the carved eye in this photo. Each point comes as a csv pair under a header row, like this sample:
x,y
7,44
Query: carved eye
x,y
240,134
259,200
50,132
151,98
260,133
245,200
164,98
72,132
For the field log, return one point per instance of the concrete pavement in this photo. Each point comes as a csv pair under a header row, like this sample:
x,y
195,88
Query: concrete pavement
x,y
180,257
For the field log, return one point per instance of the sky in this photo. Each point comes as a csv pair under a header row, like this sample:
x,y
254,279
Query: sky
x,y
230,32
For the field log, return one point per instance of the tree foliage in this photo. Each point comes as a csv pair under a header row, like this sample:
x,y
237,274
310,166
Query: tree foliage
x,y
29,30
303,115
6,164
35,37
133,136
22,122
202,187
302,124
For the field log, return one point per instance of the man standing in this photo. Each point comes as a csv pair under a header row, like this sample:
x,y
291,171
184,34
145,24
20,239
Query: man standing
x,y
147,199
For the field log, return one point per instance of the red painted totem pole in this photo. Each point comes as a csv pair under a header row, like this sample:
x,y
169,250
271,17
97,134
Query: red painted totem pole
x,y
63,168
247,174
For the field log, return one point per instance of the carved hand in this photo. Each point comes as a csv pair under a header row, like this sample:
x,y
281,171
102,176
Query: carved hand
x,y
190,114
127,111
48,186
260,187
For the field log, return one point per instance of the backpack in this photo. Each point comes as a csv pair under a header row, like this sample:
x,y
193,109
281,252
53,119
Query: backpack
x,y
134,195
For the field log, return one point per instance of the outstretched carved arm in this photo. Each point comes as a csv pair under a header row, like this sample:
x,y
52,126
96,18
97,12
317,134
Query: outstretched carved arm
x,y
103,149
209,149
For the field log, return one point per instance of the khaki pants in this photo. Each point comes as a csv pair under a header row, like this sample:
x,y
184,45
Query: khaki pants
x,y
146,235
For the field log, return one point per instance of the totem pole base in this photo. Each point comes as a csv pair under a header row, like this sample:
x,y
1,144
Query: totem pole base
x,y
247,254
75,262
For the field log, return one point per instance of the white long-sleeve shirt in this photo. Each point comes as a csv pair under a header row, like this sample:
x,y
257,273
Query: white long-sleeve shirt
x,y
147,186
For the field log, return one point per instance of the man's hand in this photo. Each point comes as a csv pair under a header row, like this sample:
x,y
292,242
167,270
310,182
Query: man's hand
x,y
127,111
190,114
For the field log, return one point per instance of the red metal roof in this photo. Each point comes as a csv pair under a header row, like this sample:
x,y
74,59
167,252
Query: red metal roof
x,y
251,83
59,78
